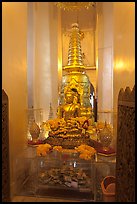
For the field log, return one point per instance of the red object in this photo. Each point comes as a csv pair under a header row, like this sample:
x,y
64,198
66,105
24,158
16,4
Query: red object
x,y
107,152
98,147
35,143
108,188
85,124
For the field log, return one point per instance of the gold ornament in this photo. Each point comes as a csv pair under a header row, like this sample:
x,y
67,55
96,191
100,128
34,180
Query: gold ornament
x,y
73,6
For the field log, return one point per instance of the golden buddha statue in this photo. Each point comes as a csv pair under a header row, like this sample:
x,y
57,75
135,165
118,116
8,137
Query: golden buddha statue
x,y
71,108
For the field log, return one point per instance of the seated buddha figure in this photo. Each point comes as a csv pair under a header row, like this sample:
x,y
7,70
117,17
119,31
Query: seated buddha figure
x,y
71,108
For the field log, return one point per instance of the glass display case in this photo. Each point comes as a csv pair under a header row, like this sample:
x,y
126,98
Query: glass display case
x,y
63,176
26,172
104,166
70,179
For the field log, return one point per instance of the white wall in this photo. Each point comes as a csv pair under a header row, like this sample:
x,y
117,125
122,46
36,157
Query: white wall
x,y
45,56
105,59
31,52
124,47
124,50
14,75
54,55
116,53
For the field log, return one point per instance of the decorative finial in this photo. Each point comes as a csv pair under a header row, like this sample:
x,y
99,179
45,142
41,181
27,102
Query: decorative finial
x,y
74,25
75,57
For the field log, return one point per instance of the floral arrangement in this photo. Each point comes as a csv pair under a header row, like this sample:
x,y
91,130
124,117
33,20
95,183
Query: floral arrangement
x,y
86,151
43,149
58,148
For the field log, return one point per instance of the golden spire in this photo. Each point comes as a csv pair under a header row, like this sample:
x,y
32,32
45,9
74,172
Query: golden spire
x,y
75,59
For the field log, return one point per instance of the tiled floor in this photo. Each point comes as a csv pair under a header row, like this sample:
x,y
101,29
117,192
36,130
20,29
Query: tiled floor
x,y
35,199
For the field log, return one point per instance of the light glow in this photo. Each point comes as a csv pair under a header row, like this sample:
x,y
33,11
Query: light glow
x,y
119,65
59,68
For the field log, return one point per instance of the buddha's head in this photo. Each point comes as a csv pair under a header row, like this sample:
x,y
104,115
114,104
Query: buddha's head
x,y
69,96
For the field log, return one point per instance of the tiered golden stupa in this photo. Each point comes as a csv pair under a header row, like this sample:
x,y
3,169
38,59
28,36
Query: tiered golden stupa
x,y
75,81
74,113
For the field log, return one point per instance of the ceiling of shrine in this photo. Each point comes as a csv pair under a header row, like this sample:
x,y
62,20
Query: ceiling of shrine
x,y
85,17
